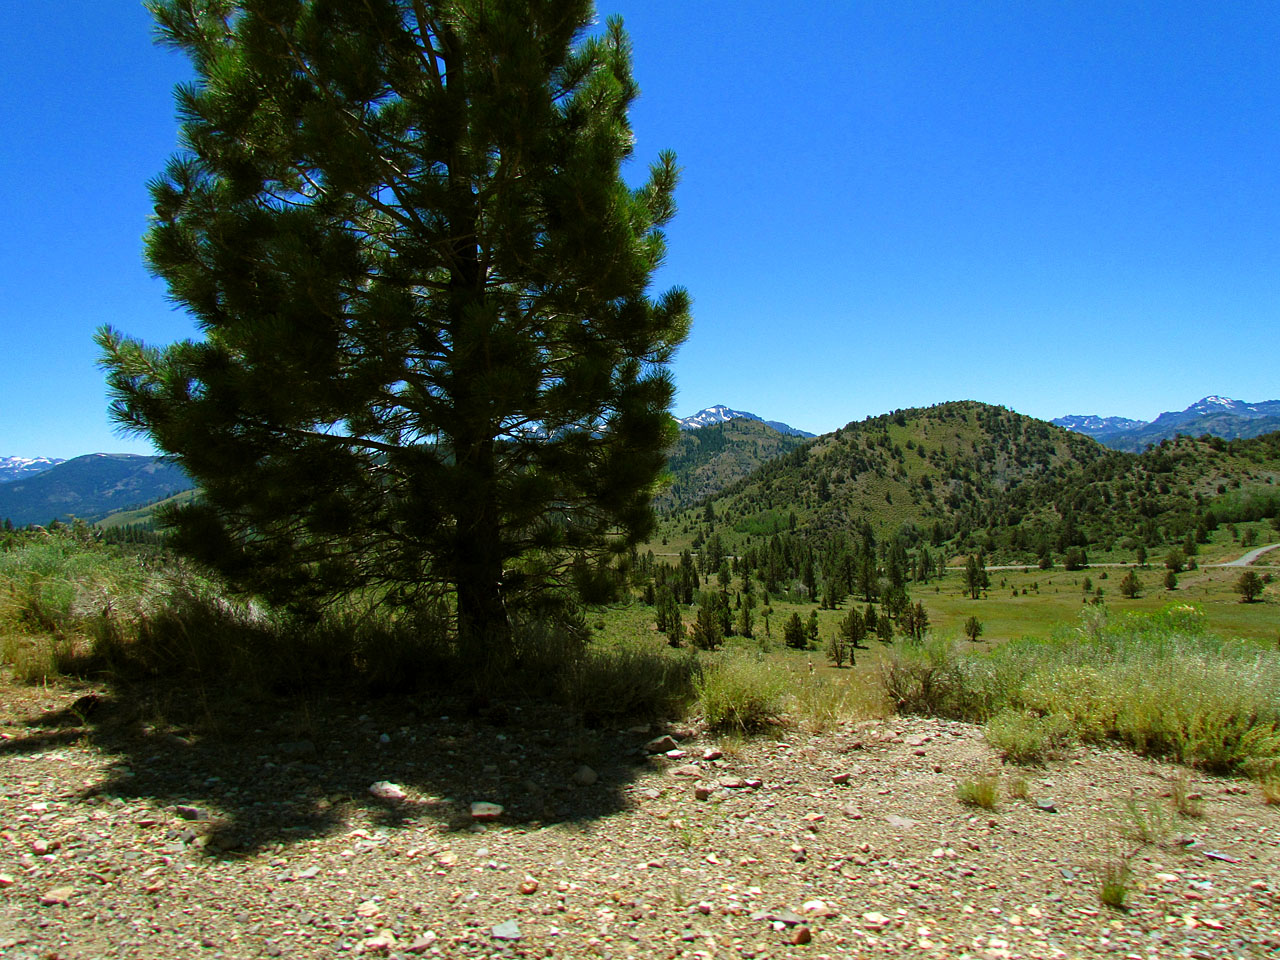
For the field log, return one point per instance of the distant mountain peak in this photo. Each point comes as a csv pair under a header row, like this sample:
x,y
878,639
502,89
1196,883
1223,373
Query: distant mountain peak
x,y
719,413
89,487
1216,404
19,468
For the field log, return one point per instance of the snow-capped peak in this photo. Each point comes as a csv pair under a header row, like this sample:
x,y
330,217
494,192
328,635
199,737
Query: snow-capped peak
x,y
1214,404
18,468
722,414
718,413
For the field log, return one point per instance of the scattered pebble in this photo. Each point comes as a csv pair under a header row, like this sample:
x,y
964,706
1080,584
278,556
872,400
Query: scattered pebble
x,y
800,823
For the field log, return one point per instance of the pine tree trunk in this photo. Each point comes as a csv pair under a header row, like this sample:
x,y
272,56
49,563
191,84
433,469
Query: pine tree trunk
x,y
483,628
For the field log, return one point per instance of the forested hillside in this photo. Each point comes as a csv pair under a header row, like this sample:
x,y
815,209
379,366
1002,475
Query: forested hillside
x,y
967,478
706,460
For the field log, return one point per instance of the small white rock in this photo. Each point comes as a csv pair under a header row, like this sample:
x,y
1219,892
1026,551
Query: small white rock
x,y
56,895
484,810
386,790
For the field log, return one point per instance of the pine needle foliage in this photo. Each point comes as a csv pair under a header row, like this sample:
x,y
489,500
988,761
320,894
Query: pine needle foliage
x,y
431,370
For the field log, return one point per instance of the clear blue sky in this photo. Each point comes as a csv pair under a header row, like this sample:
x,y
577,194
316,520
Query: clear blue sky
x,y
1062,208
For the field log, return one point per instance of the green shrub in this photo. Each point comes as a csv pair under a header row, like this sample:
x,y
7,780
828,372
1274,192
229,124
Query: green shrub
x,y
740,692
922,679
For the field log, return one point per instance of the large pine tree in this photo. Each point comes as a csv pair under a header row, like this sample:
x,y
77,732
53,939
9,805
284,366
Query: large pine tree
x,y
431,371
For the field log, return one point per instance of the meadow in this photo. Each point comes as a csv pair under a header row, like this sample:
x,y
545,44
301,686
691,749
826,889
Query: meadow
x,y
1191,673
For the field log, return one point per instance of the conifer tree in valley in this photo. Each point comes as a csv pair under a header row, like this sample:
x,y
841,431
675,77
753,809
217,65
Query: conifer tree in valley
x,y
431,373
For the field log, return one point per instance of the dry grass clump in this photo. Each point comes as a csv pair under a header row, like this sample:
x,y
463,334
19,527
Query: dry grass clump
x,y
1185,801
1270,789
641,679
821,702
1147,824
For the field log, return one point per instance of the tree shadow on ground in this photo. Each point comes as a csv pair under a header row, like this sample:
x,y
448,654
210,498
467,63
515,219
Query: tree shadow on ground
x,y
242,772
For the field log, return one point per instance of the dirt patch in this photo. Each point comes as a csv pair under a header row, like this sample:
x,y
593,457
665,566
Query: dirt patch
x,y
156,822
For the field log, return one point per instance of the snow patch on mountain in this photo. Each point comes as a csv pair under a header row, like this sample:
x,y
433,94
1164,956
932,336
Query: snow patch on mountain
x,y
1092,424
19,468
1216,415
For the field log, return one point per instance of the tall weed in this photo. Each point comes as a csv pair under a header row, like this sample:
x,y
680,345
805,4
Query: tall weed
x,y
821,701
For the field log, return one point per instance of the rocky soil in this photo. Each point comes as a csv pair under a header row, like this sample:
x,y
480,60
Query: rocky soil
x,y
156,823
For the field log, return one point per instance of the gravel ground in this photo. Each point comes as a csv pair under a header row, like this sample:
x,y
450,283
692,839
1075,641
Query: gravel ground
x,y
156,823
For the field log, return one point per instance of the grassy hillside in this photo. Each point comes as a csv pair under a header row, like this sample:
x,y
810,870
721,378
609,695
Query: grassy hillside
x,y
144,517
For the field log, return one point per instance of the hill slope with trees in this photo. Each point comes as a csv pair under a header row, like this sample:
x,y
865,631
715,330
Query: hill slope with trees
x,y
706,460
965,477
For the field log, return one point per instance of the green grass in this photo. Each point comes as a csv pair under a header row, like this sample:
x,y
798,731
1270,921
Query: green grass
x,y
1054,597
1113,891
61,595
144,515
1149,674
72,606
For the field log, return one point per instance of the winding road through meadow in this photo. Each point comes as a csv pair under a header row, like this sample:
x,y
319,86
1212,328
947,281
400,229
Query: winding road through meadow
x,y
1247,559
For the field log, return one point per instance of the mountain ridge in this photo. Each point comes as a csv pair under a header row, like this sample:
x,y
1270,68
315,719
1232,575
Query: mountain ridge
x,y
706,459
90,487
1213,415
967,476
